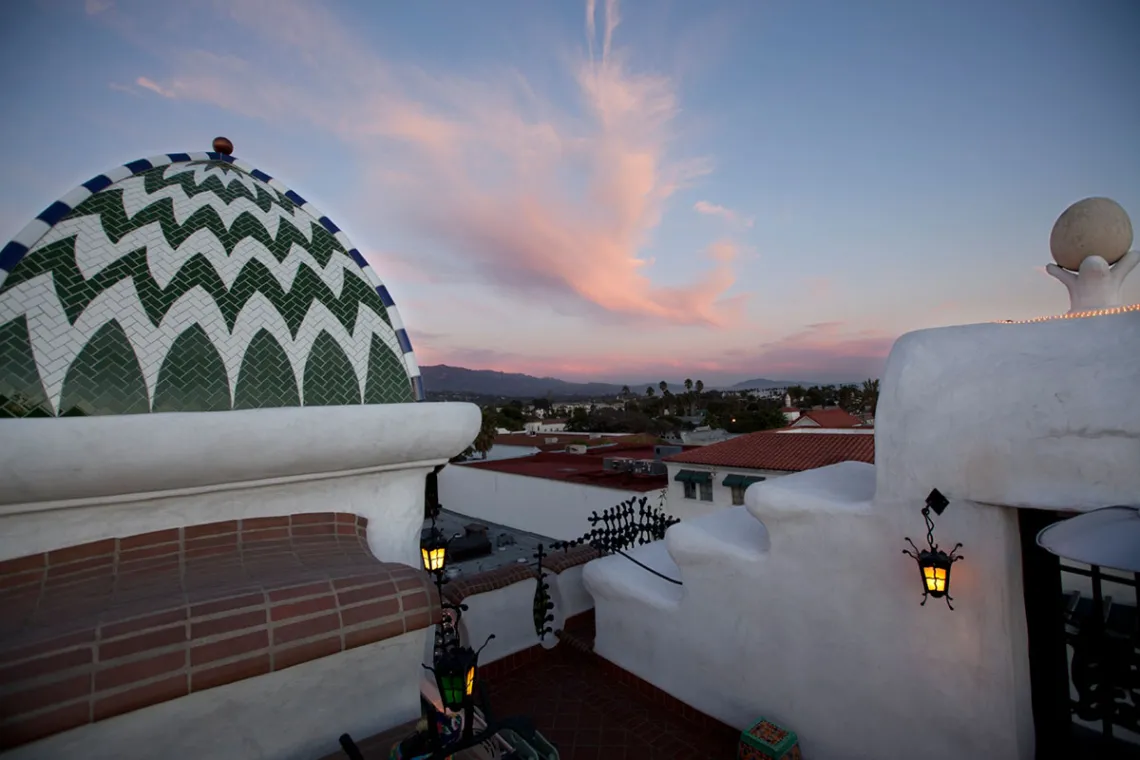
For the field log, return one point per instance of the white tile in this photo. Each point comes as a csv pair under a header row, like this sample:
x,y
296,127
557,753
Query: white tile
x,y
32,232
76,196
118,173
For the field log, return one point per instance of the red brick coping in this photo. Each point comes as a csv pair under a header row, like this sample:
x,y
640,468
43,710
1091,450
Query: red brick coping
x,y
103,628
558,561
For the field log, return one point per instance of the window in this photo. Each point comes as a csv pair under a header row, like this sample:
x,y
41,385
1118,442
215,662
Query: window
x,y
706,491
737,495
690,489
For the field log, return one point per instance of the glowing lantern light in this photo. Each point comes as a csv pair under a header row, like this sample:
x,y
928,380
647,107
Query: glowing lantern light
x,y
933,563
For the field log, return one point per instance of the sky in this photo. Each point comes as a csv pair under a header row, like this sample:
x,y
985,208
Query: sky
x,y
622,191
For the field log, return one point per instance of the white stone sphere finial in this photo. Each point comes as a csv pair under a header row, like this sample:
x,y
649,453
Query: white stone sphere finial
x,y
1090,243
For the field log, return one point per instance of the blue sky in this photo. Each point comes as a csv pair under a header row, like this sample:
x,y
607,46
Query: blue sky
x,y
660,188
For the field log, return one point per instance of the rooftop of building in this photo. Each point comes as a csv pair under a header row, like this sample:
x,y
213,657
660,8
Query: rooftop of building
x,y
770,450
559,441
585,469
507,546
828,418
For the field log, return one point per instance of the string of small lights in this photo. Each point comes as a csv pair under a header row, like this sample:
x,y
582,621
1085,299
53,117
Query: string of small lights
x,y
1075,315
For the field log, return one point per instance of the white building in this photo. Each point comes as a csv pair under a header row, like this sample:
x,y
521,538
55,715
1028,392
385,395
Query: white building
x,y
551,494
545,426
715,477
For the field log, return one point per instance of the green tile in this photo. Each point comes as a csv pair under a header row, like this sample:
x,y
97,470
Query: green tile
x,y
192,377
20,381
266,377
76,293
329,379
387,381
105,378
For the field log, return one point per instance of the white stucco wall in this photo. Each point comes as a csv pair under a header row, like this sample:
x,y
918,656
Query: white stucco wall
x,y
1027,415
508,614
77,479
503,451
551,508
812,618
678,506
291,714
801,606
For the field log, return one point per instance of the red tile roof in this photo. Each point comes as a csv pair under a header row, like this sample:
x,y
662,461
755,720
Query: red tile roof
x,y
586,468
830,418
770,450
562,440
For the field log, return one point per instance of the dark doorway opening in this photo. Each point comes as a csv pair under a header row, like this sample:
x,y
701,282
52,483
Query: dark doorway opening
x,y
1084,651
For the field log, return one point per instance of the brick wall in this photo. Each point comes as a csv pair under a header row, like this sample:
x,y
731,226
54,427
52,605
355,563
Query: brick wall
x,y
103,628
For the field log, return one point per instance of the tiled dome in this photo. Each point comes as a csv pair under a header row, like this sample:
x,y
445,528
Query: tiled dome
x,y
193,282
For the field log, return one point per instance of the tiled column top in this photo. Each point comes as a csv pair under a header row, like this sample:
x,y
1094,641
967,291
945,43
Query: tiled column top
x,y
96,630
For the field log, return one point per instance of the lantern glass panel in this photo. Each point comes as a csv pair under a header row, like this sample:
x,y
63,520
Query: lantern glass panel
x,y
434,557
935,579
470,680
451,690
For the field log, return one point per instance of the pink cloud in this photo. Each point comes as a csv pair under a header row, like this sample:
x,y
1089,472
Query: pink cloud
x,y
479,168
825,350
149,84
713,209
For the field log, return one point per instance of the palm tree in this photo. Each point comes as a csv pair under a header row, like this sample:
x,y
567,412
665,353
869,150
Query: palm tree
x,y
625,391
689,393
870,395
486,437
649,392
700,389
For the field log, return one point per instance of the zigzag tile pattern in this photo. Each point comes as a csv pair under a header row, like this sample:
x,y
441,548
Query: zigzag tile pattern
x,y
192,282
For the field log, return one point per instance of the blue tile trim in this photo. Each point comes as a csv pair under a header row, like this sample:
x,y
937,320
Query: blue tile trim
x,y
95,184
54,213
405,342
355,255
385,296
13,252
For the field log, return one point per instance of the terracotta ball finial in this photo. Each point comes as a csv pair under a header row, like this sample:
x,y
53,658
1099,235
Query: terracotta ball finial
x,y
224,146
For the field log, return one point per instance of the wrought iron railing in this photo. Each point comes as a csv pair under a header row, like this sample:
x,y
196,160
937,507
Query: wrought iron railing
x,y
632,523
1105,637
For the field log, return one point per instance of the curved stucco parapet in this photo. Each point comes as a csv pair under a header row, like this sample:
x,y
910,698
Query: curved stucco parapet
x,y
1025,415
843,488
51,462
615,578
725,534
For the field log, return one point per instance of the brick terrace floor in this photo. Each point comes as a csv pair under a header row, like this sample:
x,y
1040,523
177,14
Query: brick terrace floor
x,y
577,705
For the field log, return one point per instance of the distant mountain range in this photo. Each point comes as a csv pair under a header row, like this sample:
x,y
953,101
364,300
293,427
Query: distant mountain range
x,y
440,378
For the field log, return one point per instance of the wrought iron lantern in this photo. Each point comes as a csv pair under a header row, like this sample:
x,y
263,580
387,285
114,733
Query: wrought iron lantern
x,y
454,673
434,549
933,563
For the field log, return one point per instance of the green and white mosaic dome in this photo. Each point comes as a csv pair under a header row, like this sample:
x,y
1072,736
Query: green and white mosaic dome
x,y
192,282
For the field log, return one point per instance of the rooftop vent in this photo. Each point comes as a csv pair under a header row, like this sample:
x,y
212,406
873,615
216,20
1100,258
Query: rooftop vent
x,y
576,448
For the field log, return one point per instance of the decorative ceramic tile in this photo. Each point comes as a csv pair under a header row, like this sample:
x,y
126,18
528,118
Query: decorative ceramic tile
x,y
192,282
